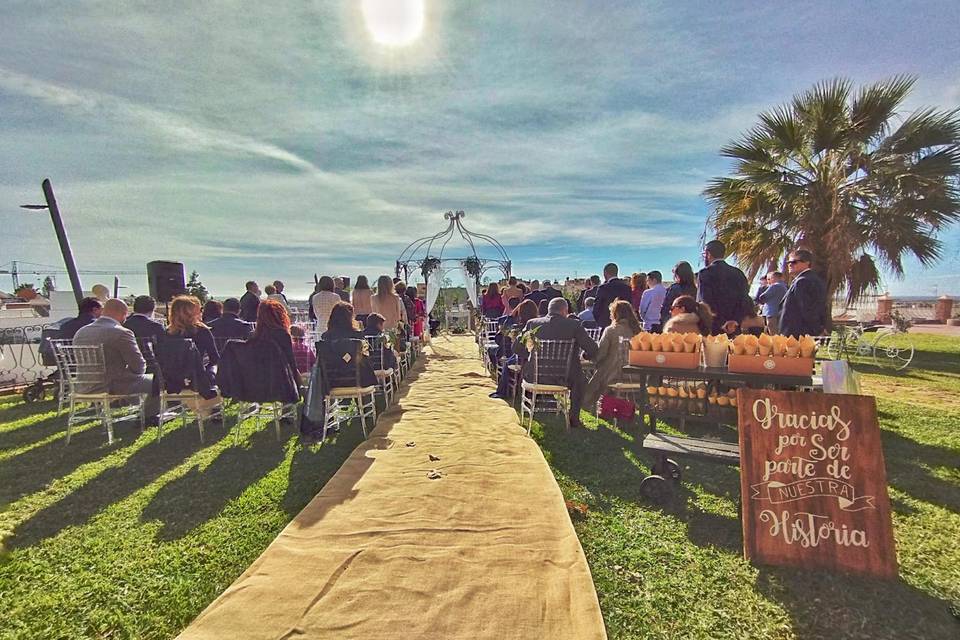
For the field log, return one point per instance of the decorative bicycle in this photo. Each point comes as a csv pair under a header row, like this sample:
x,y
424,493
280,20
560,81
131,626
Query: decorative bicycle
x,y
888,346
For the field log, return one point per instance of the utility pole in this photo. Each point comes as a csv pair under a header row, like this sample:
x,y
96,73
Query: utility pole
x,y
15,275
61,236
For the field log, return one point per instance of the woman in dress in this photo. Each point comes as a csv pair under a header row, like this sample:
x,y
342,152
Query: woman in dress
x,y
491,304
360,298
684,284
419,311
387,303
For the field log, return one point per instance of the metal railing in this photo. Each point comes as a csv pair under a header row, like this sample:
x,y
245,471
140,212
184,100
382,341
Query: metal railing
x,y
20,361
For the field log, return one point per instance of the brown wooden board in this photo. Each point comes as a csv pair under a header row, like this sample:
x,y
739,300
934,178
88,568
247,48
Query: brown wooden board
x,y
813,483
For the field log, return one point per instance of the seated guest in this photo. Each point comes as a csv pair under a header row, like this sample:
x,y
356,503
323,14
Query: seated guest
x,y
212,310
651,302
89,310
184,322
612,289
229,325
273,324
684,284
343,327
607,361
302,352
586,316
338,289
360,298
510,332
491,304
373,328
125,364
557,325
543,307
689,316
141,322
249,302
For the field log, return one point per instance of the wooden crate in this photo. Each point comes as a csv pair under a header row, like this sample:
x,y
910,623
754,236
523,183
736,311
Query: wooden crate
x,y
666,360
776,366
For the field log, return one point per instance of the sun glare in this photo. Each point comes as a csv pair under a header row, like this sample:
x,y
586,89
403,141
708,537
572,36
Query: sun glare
x,y
394,23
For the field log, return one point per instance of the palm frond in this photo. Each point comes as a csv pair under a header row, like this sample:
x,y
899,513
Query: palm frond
x,y
874,105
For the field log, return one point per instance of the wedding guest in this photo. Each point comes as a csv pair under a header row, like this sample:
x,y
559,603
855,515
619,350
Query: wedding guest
x,y
310,312
419,311
607,362
303,352
651,302
141,321
408,305
279,287
338,289
360,298
638,284
89,310
536,294
511,291
724,288
611,290
273,325
491,304
804,310
229,325
684,284
212,310
273,294
550,291
343,327
387,303
586,316
689,316
184,321
249,302
511,331
771,299
323,301
592,284
373,328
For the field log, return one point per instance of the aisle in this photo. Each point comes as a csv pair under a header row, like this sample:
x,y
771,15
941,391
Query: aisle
x,y
446,523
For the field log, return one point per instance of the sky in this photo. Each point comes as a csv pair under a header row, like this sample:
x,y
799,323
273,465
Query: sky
x,y
257,141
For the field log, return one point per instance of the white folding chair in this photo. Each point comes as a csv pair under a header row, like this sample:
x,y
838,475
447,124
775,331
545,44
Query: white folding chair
x,y
342,374
63,373
385,374
87,370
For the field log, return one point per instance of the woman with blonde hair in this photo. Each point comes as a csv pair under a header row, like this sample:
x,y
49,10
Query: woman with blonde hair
x,y
387,303
624,325
184,320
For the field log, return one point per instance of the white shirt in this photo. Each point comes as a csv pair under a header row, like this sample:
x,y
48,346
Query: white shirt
x,y
323,303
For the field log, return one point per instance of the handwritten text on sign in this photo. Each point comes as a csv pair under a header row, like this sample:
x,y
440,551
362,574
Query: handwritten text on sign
x,y
813,482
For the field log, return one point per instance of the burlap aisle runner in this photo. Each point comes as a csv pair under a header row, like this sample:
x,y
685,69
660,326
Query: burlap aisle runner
x,y
446,523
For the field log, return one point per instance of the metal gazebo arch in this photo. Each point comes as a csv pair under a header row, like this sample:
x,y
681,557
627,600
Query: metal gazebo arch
x,y
424,255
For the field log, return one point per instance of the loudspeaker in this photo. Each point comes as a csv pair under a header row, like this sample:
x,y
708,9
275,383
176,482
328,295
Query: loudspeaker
x,y
166,280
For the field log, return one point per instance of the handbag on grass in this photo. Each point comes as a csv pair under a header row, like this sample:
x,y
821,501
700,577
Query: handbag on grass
x,y
612,407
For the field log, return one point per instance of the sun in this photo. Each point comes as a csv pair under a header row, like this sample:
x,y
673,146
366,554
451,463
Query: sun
x,y
393,23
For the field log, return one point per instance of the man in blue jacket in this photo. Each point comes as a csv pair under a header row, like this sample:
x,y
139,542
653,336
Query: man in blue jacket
x,y
804,309
771,299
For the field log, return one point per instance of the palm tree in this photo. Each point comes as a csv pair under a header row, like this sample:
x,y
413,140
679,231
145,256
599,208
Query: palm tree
x,y
845,176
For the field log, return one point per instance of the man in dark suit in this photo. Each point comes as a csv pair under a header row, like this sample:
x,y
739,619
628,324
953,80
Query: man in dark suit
x,y
550,292
593,283
804,310
250,302
229,325
724,288
536,293
612,289
558,325
141,322
89,310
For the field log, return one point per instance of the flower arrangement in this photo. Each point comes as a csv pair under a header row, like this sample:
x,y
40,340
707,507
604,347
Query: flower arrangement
x,y
472,266
428,265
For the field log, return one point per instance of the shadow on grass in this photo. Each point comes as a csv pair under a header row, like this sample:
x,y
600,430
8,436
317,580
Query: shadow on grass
x,y
905,460
35,468
827,605
32,433
200,494
152,460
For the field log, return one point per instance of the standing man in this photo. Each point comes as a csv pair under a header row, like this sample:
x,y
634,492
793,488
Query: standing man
x,y
804,309
589,291
612,289
771,299
724,288
536,293
651,302
125,365
764,283
550,292
250,302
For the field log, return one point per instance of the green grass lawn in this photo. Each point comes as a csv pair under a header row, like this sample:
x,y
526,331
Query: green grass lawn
x,y
133,540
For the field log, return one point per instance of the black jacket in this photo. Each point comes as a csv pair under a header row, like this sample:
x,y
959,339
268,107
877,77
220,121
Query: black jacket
x,y
586,293
726,290
607,293
339,371
69,328
256,371
230,326
537,295
179,366
552,293
559,328
804,310
143,327
249,303
284,342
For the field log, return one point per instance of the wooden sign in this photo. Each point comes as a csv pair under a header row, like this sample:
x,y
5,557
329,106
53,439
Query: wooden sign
x,y
813,483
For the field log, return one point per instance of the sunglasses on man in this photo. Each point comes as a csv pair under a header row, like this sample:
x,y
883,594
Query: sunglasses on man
x,y
793,262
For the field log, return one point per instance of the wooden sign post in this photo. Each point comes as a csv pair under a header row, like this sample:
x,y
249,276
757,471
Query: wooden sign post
x,y
813,483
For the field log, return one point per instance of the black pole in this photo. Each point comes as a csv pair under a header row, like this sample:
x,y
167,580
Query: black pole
x,y
116,286
62,239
